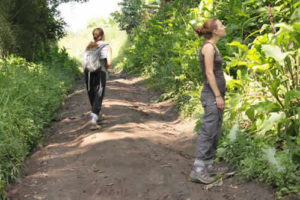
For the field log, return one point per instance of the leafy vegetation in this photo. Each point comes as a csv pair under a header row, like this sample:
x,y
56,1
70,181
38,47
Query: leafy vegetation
x,y
131,14
261,52
31,91
29,94
28,28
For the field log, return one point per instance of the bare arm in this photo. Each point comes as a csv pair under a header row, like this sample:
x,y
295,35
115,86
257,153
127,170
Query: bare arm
x,y
109,57
208,52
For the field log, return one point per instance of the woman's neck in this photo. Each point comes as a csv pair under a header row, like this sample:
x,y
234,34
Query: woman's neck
x,y
213,40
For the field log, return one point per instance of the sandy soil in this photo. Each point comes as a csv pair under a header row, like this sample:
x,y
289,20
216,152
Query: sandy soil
x,y
144,150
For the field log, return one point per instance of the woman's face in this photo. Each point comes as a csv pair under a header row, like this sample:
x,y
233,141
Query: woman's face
x,y
220,31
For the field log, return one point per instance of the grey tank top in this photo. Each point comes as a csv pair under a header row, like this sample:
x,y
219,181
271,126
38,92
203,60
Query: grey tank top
x,y
218,71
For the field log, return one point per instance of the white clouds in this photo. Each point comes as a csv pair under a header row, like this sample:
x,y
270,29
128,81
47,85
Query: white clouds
x,y
76,15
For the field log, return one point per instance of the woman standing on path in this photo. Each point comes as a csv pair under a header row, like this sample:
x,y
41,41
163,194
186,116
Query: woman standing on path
x,y
212,98
96,80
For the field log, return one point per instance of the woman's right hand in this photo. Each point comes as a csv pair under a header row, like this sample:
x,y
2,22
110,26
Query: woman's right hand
x,y
220,102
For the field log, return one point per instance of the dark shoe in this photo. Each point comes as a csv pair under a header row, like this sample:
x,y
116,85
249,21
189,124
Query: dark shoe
x,y
201,177
217,170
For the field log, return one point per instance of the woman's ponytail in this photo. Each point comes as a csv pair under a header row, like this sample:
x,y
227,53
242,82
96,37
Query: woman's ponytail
x,y
206,29
200,30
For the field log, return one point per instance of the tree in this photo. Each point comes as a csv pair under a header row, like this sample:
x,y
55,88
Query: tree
x,y
30,27
131,14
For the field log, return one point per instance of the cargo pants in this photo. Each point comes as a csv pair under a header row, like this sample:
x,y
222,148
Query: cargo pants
x,y
210,131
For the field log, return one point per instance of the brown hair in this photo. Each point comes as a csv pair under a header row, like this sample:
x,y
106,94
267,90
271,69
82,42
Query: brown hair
x,y
207,28
98,34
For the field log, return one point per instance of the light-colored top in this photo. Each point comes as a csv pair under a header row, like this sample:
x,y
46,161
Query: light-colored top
x,y
105,49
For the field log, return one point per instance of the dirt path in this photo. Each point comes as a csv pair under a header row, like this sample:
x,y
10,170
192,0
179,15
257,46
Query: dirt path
x,y
143,151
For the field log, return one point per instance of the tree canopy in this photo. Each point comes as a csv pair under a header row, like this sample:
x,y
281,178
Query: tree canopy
x,y
29,27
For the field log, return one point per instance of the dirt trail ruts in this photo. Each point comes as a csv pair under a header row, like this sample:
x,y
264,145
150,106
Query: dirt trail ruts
x,y
143,151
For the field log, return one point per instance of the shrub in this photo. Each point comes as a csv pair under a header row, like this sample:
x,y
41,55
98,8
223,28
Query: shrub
x,y
30,93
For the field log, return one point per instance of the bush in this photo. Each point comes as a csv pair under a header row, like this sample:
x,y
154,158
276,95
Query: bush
x,y
30,93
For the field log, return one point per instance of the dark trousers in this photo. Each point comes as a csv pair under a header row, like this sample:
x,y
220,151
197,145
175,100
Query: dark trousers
x,y
210,131
95,84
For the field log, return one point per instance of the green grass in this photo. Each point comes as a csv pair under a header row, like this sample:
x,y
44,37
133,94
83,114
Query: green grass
x,y
29,94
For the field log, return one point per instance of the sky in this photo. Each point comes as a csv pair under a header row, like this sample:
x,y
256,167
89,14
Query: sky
x,y
76,15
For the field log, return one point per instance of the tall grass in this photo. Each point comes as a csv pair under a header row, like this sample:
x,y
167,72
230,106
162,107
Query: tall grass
x,y
29,94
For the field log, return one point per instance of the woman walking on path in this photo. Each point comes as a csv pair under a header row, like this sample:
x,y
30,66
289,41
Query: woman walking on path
x,y
212,98
96,79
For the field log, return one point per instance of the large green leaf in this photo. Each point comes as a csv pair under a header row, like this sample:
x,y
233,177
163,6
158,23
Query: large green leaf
x,y
233,83
295,5
260,68
254,56
275,52
269,123
262,39
239,45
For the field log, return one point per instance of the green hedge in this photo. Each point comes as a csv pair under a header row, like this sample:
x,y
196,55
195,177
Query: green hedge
x,y
29,94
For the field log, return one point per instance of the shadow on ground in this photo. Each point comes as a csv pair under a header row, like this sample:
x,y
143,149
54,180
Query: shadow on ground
x,y
143,151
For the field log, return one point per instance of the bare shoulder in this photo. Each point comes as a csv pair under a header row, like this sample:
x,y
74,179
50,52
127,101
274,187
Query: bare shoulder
x,y
208,49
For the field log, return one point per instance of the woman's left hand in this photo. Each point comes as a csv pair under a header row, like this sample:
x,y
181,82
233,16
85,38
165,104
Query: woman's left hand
x,y
220,102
